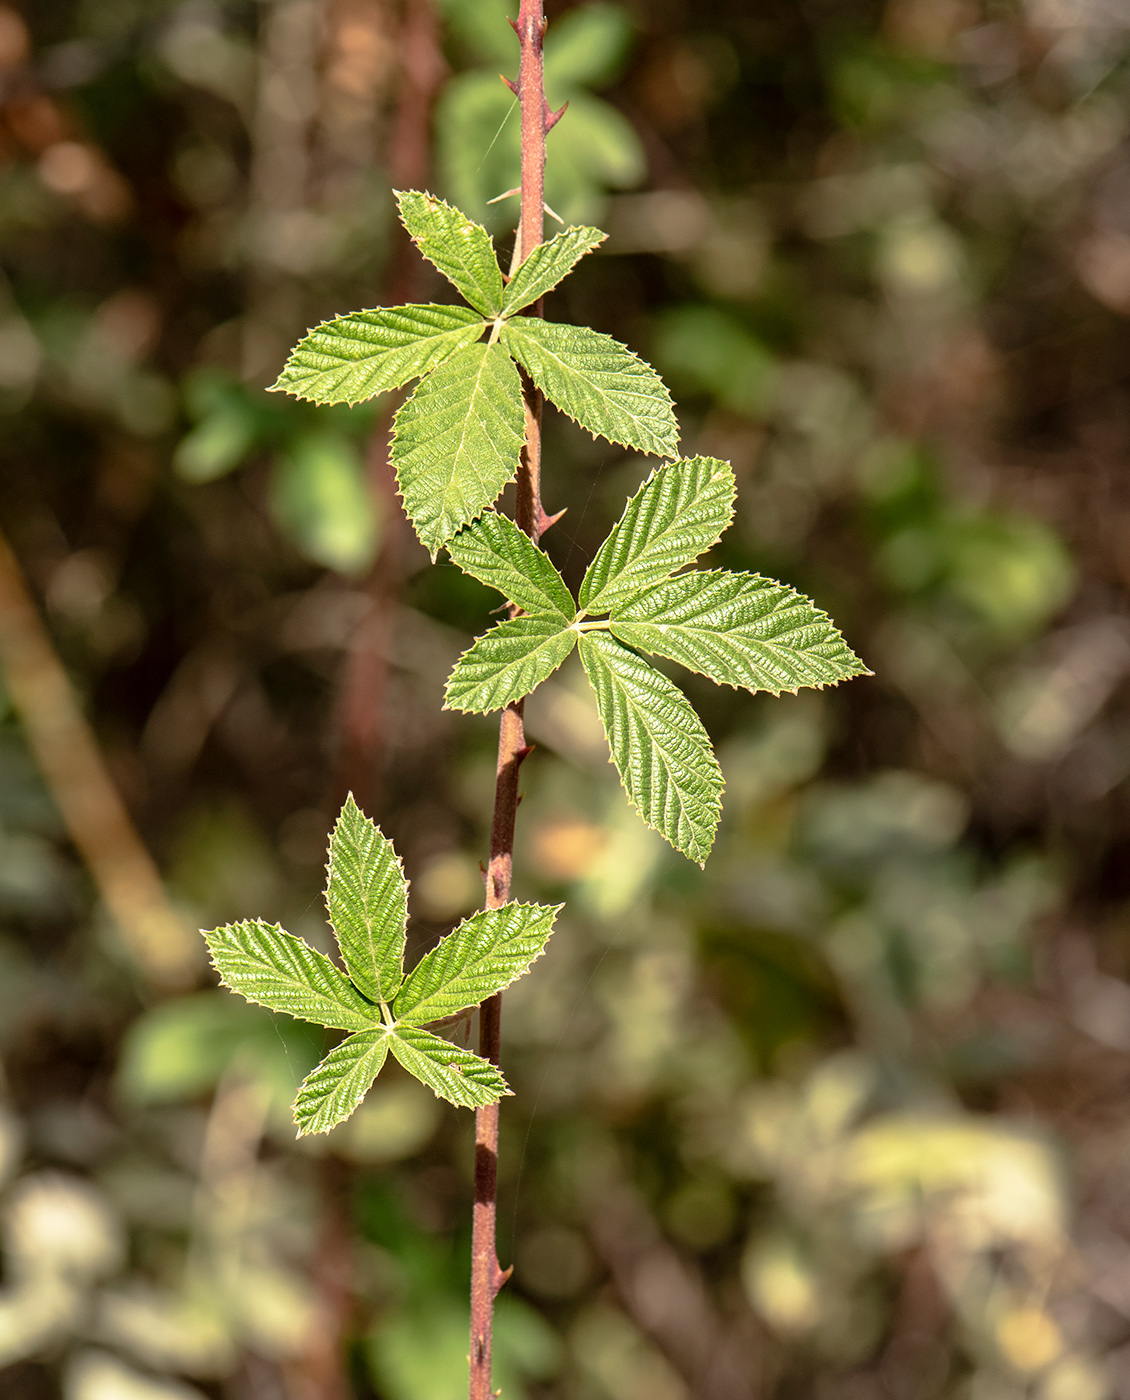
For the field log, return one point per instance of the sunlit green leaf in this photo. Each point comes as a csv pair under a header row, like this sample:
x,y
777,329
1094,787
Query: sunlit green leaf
x,y
277,970
367,901
354,357
597,381
334,1088
677,514
461,249
463,1078
480,957
658,744
507,663
497,553
547,265
457,441
738,629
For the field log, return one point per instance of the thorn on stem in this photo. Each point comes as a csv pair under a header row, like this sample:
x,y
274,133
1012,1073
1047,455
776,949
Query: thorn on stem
x,y
505,193
513,23
552,118
545,521
501,1276
513,86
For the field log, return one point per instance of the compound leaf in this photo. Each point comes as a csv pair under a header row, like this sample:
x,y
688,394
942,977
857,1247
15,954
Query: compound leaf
x,y
367,901
354,357
334,1088
678,512
507,663
485,953
738,629
457,441
658,744
456,1075
462,250
496,552
277,970
597,381
547,264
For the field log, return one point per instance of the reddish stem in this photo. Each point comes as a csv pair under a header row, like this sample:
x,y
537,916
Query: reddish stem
x,y
487,1275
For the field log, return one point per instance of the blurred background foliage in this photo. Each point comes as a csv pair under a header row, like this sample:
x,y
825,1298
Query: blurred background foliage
x,y
847,1114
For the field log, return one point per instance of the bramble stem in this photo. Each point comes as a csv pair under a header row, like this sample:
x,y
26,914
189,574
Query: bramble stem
x,y
487,1276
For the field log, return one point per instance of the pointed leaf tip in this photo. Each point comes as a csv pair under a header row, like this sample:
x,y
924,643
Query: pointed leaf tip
x,y
487,952
460,248
679,512
335,1086
547,264
658,744
597,382
452,1073
738,629
367,902
277,970
355,357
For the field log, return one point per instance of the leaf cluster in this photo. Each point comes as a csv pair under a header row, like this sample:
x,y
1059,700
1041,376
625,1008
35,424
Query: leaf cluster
x,y
739,629
459,435
382,1009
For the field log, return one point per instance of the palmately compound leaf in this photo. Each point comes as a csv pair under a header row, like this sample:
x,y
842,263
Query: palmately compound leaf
x,y
497,553
597,381
738,629
507,663
461,249
547,264
458,440
354,357
679,512
487,952
457,1075
367,901
334,1088
658,744
277,970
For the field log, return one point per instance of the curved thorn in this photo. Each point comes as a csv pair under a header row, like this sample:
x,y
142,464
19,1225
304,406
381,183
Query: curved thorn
x,y
552,118
510,83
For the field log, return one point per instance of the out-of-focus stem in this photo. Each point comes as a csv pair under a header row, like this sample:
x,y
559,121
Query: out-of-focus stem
x,y
165,949
487,1276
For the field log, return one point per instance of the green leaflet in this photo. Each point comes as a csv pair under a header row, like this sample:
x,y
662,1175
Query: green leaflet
x,y
740,630
354,357
658,744
483,955
454,1074
334,1088
497,553
367,901
677,514
547,264
507,663
462,250
457,441
284,973
597,381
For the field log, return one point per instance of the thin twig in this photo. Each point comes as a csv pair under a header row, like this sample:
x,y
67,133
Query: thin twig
x,y
487,1276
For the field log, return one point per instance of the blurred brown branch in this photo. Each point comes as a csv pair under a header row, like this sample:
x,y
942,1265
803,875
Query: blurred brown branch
x,y
164,948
